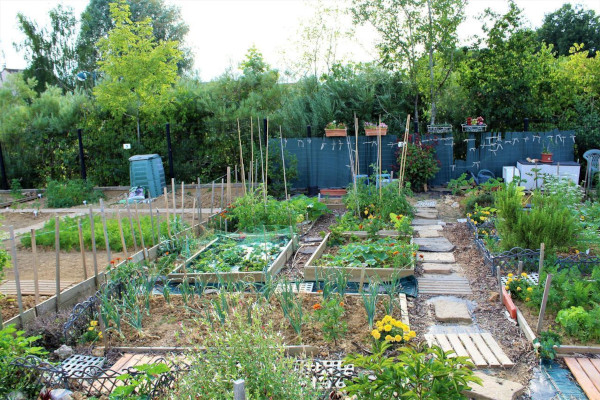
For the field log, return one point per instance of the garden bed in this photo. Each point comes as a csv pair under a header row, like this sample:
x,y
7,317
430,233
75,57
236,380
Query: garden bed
x,y
234,257
314,268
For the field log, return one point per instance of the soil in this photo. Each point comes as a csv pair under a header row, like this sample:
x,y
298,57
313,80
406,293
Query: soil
x,y
176,325
10,308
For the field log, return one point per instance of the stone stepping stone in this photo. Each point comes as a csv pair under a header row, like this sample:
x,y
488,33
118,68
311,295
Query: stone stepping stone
x,y
451,284
423,221
436,268
426,214
307,249
493,388
437,245
426,203
429,233
444,258
451,311
419,228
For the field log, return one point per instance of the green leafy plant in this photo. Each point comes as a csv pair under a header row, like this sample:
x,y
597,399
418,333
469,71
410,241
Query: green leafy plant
x,y
329,316
575,321
16,190
71,193
369,300
139,385
402,224
461,185
391,330
335,125
547,340
421,164
381,253
291,305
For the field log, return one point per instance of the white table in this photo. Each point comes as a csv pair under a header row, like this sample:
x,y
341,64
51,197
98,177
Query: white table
x,y
564,169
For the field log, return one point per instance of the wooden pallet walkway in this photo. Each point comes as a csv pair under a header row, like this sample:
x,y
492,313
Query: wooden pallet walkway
x,y
480,348
587,373
444,284
47,288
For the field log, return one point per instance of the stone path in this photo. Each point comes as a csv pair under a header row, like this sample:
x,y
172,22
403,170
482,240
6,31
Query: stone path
x,y
442,276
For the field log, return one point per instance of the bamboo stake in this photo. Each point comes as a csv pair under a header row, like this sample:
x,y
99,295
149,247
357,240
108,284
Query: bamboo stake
x,y
228,186
262,164
193,214
267,161
541,264
182,200
379,166
356,136
106,241
544,301
212,198
121,233
283,162
173,193
81,250
152,223
403,157
135,245
95,257
16,272
57,249
242,170
167,207
251,154
199,196
137,217
36,283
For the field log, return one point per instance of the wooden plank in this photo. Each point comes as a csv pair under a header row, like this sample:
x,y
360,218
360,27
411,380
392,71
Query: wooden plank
x,y
493,345
582,378
46,287
475,354
445,344
591,371
132,362
566,349
484,350
459,349
404,309
596,363
527,331
118,366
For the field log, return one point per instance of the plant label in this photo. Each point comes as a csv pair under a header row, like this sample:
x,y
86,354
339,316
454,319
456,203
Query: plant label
x,y
127,146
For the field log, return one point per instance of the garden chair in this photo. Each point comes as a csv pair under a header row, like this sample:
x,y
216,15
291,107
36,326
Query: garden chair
x,y
592,157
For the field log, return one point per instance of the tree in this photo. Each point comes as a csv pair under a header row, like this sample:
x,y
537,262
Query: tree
x,y
569,25
409,29
138,71
50,52
96,22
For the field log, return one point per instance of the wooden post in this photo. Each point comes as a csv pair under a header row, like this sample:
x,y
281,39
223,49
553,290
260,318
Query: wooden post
x,y
267,161
123,243
137,217
167,207
199,197
500,285
173,194
520,270
94,248
158,224
236,175
152,223
81,249
135,246
251,154
16,271
228,186
222,193
242,170
541,266
356,145
283,162
57,248
544,301
106,241
239,390
212,198
193,214
182,200
36,283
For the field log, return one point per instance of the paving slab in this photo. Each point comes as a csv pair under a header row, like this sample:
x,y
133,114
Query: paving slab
x,y
437,268
426,214
493,388
423,221
451,311
444,258
429,233
419,228
426,203
437,245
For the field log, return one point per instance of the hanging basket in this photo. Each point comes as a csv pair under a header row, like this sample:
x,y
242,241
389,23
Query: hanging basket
x,y
376,131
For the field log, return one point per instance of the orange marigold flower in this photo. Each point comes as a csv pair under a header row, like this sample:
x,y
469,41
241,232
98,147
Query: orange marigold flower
x,y
396,252
317,306
112,262
130,258
166,253
341,304
319,291
421,255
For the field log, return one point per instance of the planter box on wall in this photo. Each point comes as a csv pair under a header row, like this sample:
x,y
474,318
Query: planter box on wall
x,y
336,132
373,132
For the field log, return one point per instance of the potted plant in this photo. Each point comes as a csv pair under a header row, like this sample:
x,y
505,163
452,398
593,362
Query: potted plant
x,y
546,154
334,128
372,129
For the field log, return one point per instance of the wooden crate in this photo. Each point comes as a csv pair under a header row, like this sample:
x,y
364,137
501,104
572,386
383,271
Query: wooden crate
x,y
311,271
178,274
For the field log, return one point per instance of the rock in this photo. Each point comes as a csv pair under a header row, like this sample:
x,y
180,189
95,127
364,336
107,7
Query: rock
x,y
98,352
17,395
437,245
61,394
426,204
429,233
307,250
455,205
493,388
64,352
436,268
451,311
444,258
494,296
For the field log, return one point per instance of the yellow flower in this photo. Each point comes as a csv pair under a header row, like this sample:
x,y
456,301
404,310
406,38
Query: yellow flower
x,y
527,299
398,338
509,280
518,288
99,335
93,323
510,275
506,287
576,251
387,318
524,274
530,289
375,333
366,212
91,328
387,328
475,222
412,334
389,338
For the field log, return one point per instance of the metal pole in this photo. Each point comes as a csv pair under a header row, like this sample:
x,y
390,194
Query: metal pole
x,y
170,152
81,159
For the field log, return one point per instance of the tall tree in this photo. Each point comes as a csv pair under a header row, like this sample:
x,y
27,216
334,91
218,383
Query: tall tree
x,y
138,72
569,25
50,51
410,29
96,22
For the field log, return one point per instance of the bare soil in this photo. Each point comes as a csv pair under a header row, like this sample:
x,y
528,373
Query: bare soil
x,y
9,306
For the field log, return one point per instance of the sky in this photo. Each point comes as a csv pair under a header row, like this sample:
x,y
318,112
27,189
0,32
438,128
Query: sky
x,y
221,31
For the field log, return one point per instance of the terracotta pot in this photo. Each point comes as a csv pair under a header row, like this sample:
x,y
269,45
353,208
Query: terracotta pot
x,y
373,132
335,132
546,157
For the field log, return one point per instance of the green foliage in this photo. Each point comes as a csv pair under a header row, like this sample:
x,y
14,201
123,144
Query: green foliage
x,y
479,200
519,287
461,184
575,321
402,224
15,344
547,340
380,253
139,385
420,373
421,165
329,316
72,192
365,201
16,190
248,348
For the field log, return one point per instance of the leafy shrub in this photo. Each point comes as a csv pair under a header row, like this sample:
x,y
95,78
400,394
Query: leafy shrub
x,y
575,321
519,286
421,165
461,185
421,373
15,344
547,341
71,193
16,190
481,200
365,200
381,253
329,316
247,348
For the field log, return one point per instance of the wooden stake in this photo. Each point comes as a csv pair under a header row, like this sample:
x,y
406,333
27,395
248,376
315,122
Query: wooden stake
x,y
379,166
16,272
520,268
199,197
135,246
193,214
242,170
356,136
541,264
106,241
95,257
137,217
173,193
222,194
212,198
158,224
251,154
81,250
267,162
228,186
403,157
36,283
182,201
499,279
167,208
239,390
57,248
262,164
123,244
544,301
283,162
152,223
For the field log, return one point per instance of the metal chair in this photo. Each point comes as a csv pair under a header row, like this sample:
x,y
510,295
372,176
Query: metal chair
x,y
592,157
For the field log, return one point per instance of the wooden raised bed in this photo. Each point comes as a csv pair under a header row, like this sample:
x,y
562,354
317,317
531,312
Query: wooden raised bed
x,y
365,234
179,274
311,271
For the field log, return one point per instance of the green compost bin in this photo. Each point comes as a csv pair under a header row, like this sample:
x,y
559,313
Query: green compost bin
x,y
147,170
